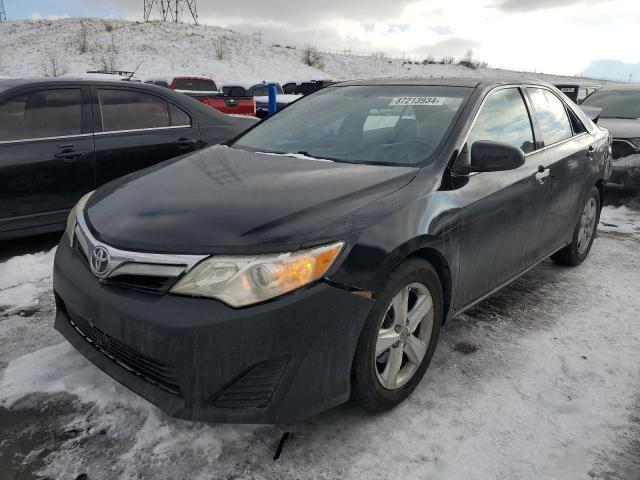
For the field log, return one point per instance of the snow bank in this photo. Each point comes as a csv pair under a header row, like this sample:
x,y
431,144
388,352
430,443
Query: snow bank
x,y
620,219
25,278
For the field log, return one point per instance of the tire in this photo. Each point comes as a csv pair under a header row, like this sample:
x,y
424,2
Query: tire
x,y
577,251
372,378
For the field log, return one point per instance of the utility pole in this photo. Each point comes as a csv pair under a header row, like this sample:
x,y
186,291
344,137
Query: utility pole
x,y
3,14
171,10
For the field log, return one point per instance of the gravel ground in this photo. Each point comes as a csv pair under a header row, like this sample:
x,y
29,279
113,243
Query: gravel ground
x,y
540,381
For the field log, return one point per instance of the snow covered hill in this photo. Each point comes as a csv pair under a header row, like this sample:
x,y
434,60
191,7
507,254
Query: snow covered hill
x,y
27,48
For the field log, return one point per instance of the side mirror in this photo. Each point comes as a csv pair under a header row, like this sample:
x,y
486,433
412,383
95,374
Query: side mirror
x,y
488,156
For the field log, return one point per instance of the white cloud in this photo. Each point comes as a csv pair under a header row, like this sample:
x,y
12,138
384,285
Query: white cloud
x,y
39,16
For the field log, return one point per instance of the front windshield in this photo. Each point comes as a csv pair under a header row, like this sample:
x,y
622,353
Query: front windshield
x,y
382,124
616,103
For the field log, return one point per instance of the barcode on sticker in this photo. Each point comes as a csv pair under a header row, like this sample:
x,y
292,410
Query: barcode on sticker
x,y
417,101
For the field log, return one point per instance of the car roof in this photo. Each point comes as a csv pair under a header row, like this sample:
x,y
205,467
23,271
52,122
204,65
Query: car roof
x,y
6,83
621,87
470,81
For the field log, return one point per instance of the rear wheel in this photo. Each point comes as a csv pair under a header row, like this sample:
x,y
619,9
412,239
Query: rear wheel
x,y
399,338
583,235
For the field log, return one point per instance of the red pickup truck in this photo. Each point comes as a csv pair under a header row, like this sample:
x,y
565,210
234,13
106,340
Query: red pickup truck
x,y
206,91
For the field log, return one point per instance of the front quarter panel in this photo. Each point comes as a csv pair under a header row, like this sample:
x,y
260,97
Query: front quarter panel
x,y
417,221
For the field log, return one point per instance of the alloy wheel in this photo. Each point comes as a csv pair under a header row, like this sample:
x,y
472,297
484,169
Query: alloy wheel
x,y
404,335
587,225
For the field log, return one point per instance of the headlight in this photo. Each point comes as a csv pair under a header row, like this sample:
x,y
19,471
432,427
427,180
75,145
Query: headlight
x,y
635,142
73,215
245,280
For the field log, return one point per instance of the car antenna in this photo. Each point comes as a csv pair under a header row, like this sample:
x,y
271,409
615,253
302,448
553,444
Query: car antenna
x,y
134,72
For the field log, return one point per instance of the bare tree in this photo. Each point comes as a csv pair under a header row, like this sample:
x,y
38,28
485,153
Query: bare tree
x,y
467,60
220,47
430,60
83,38
380,56
311,56
53,65
107,56
108,26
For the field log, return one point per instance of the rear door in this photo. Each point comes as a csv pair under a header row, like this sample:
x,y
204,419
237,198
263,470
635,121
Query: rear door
x,y
567,145
501,212
136,129
46,155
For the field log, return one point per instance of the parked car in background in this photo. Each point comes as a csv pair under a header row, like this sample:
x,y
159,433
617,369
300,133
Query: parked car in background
x,y
260,93
206,91
61,138
578,91
621,116
305,87
314,258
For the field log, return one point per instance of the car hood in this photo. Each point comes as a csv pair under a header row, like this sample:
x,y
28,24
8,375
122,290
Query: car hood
x,y
225,199
621,127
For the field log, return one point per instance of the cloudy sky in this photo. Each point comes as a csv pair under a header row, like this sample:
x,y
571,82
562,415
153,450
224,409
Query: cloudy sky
x,y
553,36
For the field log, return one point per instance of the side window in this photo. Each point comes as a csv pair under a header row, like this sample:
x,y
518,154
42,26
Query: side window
x,y
42,114
551,115
504,118
178,117
129,110
582,94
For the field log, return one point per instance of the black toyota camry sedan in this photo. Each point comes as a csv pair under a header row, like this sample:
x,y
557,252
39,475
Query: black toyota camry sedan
x,y
61,138
315,258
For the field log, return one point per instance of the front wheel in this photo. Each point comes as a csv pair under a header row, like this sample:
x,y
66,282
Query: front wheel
x,y
399,337
584,234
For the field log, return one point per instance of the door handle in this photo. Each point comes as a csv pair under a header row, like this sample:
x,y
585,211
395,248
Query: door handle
x,y
185,143
70,156
543,173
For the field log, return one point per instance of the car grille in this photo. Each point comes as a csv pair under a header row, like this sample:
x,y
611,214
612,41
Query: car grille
x,y
256,387
155,284
140,365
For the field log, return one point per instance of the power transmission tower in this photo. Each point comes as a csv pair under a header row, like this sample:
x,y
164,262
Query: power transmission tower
x,y
3,14
171,10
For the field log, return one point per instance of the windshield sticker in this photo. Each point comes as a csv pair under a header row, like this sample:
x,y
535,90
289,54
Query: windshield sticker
x,y
567,90
417,101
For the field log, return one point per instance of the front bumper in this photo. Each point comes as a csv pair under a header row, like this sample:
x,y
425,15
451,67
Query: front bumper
x,y
199,359
625,172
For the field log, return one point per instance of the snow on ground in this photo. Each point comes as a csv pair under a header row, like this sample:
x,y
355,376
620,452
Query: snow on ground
x,y
23,279
540,381
166,49
621,219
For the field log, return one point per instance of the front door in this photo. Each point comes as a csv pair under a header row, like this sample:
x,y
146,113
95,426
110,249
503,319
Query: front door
x,y
46,156
500,212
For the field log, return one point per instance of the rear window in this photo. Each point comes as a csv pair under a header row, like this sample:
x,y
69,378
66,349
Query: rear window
x,y
196,85
388,124
616,103
129,110
263,90
42,114
551,115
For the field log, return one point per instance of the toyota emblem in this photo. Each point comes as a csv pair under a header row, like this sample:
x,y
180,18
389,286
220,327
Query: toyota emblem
x,y
100,261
